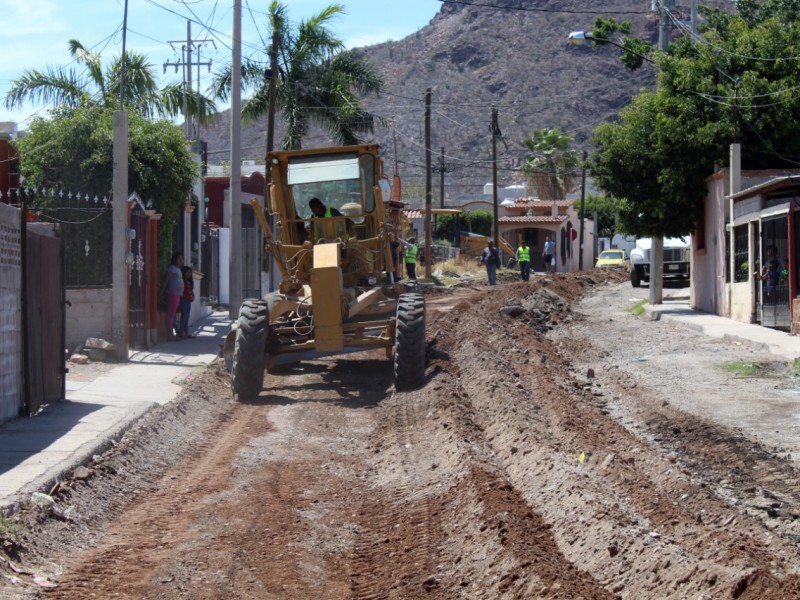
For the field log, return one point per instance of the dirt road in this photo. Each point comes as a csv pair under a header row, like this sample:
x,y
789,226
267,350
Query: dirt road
x,y
558,450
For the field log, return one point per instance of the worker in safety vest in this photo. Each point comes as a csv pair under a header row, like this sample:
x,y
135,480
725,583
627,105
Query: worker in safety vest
x,y
321,211
524,260
411,256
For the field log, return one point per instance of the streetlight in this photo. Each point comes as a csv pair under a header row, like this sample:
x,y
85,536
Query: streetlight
x,y
656,241
581,37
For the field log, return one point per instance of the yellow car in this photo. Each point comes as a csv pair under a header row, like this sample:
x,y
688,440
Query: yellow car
x,y
613,259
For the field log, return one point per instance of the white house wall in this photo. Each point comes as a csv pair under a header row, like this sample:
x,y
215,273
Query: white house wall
x,y
707,291
88,314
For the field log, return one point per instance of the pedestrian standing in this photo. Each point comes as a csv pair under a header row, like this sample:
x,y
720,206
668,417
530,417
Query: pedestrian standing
x,y
172,290
524,260
186,302
491,258
411,256
549,255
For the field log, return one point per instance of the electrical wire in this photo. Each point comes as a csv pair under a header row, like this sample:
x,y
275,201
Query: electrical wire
x,y
546,10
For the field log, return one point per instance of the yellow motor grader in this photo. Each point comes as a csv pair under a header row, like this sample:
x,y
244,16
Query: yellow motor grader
x,y
338,292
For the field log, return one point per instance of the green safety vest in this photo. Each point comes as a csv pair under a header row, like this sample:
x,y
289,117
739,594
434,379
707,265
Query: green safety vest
x,y
411,254
524,254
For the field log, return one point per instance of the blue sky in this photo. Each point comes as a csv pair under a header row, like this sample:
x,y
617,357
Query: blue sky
x,y
37,31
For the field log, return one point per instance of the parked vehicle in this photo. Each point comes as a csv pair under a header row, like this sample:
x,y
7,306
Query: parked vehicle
x,y
677,255
613,259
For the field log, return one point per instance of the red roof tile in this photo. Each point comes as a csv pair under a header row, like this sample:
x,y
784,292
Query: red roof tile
x,y
534,219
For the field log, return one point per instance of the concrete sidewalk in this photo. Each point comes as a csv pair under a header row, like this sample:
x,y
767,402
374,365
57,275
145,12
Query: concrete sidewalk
x,y
779,343
37,451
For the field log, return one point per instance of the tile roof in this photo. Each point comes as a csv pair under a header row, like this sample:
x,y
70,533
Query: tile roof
x,y
534,219
527,203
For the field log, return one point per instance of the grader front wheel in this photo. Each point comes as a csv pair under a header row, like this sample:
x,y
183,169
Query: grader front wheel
x,y
249,354
409,345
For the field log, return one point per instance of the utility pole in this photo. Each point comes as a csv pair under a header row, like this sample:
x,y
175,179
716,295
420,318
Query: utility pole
x,y
186,63
273,83
495,129
442,167
583,217
428,187
234,188
120,316
657,241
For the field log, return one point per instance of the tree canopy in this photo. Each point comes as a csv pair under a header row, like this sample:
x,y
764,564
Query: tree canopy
x,y
735,83
95,85
320,82
73,151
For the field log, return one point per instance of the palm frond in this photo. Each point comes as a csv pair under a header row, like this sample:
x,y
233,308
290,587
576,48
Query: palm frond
x,y
92,62
54,86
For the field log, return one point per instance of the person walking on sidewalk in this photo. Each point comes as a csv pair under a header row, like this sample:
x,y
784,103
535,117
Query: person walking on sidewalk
x,y
172,290
491,258
524,260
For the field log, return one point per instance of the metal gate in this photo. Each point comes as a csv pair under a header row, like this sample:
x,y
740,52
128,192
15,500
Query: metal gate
x,y
252,247
773,294
209,285
44,317
137,278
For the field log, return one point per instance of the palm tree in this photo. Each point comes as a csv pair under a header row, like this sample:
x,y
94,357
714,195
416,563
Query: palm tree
x,y
319,81
71,88
551,167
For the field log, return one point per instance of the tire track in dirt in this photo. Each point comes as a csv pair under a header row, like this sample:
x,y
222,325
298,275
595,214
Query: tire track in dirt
x,y
152,527
397,544
489,543
632,506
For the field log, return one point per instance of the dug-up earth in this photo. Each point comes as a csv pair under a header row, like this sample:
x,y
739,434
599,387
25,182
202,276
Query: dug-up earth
x,y
562,447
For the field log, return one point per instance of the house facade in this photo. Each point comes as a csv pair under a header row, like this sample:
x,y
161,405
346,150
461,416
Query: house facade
x,y
745,249
533,221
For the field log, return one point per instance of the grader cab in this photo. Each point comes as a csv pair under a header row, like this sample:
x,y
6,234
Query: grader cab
x,y
338,291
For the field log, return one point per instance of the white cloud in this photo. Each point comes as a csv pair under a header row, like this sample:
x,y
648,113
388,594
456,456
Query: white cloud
x,y
24,18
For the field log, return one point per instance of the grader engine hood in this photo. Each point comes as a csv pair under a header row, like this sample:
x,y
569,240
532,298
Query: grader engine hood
x,y
326,296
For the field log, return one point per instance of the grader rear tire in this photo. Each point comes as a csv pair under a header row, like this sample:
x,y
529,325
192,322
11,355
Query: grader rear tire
x,y
249,354
409,344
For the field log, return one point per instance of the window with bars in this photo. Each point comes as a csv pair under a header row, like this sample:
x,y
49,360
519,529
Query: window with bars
x,y
741,246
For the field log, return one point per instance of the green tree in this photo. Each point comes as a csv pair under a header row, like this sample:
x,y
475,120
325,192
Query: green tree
x,y
319,81
95,85
551,166
73,151
477,221
736,84
608,209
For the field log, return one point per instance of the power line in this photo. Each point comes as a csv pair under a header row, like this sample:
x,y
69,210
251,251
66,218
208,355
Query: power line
x,y
547,10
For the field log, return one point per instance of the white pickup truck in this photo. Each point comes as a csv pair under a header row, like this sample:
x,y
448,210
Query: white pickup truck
x,y
677,254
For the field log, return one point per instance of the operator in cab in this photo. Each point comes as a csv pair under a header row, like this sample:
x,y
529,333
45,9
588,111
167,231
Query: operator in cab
x,y
325,212
322,211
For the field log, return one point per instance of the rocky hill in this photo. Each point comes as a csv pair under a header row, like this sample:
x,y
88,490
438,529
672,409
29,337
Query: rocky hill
x,y
479,54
